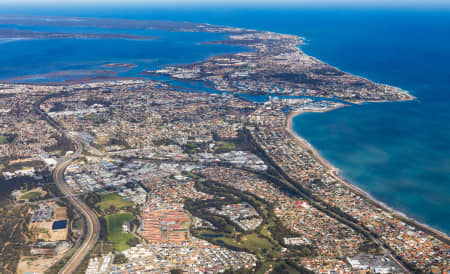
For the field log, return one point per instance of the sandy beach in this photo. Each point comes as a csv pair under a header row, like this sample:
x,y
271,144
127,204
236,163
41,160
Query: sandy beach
x,y
334,172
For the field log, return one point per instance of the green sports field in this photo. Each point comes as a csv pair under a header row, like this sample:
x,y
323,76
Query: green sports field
x,y
115,235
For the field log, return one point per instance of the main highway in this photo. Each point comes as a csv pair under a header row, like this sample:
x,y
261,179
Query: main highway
x,y
92,223
92,233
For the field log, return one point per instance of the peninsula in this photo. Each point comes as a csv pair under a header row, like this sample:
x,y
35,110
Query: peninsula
x,y
158,179
24,34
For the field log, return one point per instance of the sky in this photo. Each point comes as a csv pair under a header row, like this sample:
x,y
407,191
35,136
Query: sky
x,y
37,7
230,2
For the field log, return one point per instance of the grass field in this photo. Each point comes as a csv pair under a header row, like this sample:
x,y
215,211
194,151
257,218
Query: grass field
x,y
253,242
115,221
260,241
3,140
112,199
224,146
33,195
114,225
275,267
98,119
77,224
119,240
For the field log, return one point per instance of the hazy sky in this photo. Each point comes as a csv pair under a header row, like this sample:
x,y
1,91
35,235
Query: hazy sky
x,y
356,2
19,6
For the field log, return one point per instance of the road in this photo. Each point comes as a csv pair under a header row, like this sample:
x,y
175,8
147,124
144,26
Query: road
x,y
92,223
319,204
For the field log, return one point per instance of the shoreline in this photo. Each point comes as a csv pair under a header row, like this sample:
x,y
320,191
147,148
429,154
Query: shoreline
x,y
77,81
408,95
335,173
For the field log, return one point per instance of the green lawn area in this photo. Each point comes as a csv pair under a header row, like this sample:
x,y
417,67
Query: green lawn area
x,y
253,241
77,224
277,267
98,119
112,199
33,195
260,241
115,221
3,140
114,225
119,240
224,146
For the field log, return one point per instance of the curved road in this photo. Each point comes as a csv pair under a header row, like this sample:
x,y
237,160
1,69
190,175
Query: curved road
x,y
93,225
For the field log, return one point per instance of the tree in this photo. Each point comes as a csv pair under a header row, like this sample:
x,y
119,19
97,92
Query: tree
x,y
120,259
112,208
133,242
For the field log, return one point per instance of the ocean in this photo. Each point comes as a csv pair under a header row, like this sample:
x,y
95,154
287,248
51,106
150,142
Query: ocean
x,y
397,152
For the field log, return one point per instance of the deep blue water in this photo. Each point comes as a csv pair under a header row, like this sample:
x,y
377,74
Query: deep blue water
x,y
398,152
31,57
